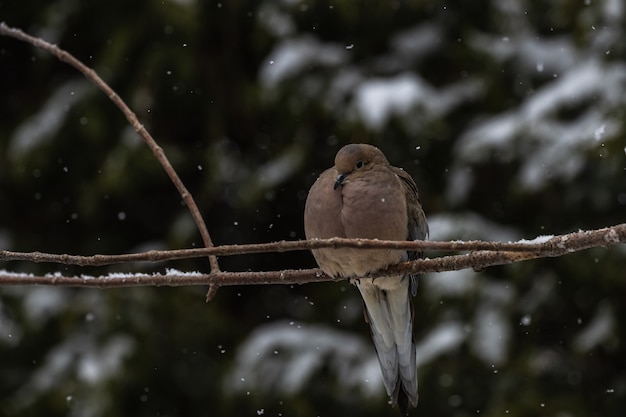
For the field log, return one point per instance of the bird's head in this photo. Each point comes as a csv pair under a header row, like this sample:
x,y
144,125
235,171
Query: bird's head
x,y
355,159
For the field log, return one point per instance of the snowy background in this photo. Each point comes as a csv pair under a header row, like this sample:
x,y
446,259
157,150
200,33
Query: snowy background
x,y
510,116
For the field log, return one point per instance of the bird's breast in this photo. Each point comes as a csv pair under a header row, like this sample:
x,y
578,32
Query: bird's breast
x,y
374,212
367,208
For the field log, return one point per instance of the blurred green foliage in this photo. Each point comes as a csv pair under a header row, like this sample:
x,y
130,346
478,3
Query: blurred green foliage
x,y
250,101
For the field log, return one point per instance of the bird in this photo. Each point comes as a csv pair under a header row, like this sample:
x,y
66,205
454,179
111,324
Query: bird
x,y
363,196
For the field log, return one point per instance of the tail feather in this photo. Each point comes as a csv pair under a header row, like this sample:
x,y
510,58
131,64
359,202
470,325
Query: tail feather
x,y
390,318
403,403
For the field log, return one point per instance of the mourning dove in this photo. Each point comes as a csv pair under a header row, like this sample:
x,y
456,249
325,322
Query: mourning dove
x,y
363,196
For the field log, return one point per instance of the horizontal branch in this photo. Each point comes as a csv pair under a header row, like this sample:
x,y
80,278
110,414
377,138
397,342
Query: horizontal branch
x,y
545,246
516,252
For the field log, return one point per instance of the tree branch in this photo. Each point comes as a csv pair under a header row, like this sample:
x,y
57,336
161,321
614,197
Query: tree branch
x,y
157,151
544,246
483,254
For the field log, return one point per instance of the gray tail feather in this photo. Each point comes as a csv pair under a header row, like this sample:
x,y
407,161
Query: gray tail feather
x,y
390,318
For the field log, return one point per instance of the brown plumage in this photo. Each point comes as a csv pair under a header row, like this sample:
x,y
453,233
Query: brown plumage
x,y
363,196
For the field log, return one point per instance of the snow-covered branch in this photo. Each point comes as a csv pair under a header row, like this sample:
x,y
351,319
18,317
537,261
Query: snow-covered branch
x,y
481,255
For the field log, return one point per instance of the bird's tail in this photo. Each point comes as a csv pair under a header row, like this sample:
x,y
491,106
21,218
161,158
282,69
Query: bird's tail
x,y
389,314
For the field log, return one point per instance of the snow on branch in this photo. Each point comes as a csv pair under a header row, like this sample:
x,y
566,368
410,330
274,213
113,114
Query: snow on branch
x,y
481,255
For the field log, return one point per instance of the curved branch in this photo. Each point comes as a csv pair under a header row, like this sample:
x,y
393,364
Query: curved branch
x,y
157,151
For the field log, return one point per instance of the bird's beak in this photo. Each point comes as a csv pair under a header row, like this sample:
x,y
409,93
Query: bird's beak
x,y
339,180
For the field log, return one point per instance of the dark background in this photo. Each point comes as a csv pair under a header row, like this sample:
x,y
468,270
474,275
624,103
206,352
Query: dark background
x,y
510,117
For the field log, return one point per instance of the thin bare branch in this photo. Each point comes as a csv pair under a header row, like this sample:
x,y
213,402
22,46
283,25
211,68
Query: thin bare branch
x,y
157,151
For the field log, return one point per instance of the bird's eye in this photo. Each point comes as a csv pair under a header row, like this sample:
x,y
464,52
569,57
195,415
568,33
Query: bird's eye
x,y
359,164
